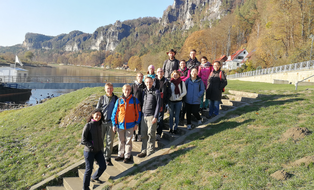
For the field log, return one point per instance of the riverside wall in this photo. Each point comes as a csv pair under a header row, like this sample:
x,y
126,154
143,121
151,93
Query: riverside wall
x,y
292,77
38,85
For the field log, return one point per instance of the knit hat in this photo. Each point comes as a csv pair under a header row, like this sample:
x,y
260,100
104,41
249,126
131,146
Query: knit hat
x,y
151,66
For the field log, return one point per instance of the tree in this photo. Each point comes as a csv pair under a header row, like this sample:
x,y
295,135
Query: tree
x,y
29,55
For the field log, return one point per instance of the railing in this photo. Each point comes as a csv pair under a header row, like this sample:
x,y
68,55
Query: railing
x,y
279,69
69,79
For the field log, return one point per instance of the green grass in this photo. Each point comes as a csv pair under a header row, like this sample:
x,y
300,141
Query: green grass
x,y
242,152
236,153
263,88
32,144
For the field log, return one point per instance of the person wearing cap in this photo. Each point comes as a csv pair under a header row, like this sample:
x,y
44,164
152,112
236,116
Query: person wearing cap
x,y
151,74
170,64
193,62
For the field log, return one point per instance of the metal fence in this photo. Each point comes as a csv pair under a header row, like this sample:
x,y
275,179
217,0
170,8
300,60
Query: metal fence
x,y
279,69
69,79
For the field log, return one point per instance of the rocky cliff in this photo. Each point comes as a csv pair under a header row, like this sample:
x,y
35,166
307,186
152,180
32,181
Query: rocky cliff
x,y
182,15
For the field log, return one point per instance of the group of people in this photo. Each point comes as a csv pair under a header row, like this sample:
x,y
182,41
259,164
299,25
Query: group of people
x,y
138,115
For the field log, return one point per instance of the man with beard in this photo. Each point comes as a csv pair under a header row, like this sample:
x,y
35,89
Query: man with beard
x,y
170,64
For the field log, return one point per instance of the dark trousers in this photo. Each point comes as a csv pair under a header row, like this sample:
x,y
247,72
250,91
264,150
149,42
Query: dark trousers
x,y
192,108
89,161
183,110
160,122
139,128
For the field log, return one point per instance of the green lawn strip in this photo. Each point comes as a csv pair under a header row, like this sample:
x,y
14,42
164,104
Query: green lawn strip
x,y
32,144
263,88
242,152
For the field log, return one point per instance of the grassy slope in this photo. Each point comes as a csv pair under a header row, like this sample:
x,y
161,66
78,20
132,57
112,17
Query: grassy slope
x,y
242,149
32,144
236,150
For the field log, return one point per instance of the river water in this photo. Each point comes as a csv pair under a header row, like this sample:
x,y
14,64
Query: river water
x,y
62,71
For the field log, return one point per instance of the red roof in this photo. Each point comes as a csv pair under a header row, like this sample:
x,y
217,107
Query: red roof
x,y
248,56
221,59
236,54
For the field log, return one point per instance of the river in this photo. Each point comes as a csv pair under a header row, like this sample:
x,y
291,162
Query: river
x,y
64,71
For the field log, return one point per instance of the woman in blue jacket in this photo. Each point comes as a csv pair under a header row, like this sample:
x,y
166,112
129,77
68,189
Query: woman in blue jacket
x,y
195,90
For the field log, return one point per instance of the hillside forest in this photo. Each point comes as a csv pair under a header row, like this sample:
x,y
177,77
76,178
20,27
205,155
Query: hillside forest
x,y
278,31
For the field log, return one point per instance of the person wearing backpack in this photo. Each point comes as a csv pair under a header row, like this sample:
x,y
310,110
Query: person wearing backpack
x,y
203,72
163,86
178,91
151,108
137,91
216,83
106,104
125,118
195,90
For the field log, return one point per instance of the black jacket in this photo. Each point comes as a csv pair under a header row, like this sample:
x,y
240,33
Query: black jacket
x,y
152,102
215,85
137,91
92,137
191,63
169,66
163,85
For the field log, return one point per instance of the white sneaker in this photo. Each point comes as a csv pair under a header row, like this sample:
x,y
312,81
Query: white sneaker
x,y
133,138
199,122
157,137
139,138
189,127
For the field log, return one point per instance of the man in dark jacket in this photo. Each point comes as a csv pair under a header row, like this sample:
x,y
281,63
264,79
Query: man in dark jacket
x,y
137,90
170,64
106,104
163,85
151,107
193,62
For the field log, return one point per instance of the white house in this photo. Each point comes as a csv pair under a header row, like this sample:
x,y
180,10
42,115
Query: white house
x,y
9,74
235,60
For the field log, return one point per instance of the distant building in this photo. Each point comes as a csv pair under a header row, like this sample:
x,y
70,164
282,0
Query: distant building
x,y
9,74
221,59
236,60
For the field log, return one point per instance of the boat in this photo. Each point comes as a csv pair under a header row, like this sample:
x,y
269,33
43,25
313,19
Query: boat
x,y
11,92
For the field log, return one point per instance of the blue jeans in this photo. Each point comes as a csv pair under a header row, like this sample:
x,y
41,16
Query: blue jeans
x,y
175,108
213,107
89,161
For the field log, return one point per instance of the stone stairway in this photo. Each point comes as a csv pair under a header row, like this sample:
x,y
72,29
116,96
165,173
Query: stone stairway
x,y
119,169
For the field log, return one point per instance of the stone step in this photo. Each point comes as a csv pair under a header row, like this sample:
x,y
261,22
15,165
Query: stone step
x,y
119,164
73,183
55,188
240,99
231,103
225,107
110,172
244,94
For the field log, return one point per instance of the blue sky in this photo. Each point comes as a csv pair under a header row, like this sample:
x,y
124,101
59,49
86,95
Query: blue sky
x,y
17,17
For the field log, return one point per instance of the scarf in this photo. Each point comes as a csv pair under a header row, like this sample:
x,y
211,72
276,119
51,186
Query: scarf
x,y
176,83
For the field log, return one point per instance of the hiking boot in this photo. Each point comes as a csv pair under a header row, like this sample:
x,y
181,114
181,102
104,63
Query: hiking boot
x,y
118,158
139,138
189,127
108,162
157,137
199,122
141,155
127,160
97,181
